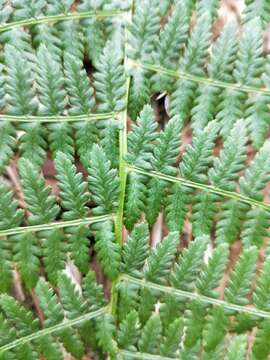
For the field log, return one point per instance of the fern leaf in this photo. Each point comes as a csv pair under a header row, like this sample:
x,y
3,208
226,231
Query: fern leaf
x,y
109,80
229,224
128,332
151,335
169,46
160,260
72,188
171,341
54,253
79,246
93,291
85,137
70,297
261,293
255,228
20,94
215,329
7,143
257,174
260,350
239,284
105,335
10,215
50,83
135,199
27,9
81,94
37,196
103,182
188,264
136,250
237,348
199,155
108,250
231,159
213,271
26,257
140,138
33,143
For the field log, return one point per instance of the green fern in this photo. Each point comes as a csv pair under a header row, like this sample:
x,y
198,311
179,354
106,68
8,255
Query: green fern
x,y
134,154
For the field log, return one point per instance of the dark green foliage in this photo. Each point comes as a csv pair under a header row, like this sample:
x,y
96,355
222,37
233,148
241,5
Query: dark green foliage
x,y
7,143
10,215
241,277
37,196
108,250
192,285
26,257
81,94
20,94
54,253
188,264
109,80
136,250
72,188
103,182
151,335
160,259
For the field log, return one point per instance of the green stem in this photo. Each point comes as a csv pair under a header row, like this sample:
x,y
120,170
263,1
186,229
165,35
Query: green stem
x,y
58,118
56,225
198,79
122,172
60,17
204,187
52,329
195,296
139,355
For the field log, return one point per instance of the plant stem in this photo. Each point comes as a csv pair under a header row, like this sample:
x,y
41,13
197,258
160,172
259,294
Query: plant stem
x,y
198,79
52,329
122,170
56,225
204,187
195,296
58,118
60,17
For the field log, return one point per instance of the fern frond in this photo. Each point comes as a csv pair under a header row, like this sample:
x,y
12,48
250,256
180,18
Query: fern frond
x,y
105,335
128,332
33,144
50,82
108,250
140,139
135,199
7,143
213,271
160,260
136,250
151,335
72,188
54,253
109,80
141,42
241,277
188,264
42,205
11,216
20,93
26,257
257,174
169,46
103,182
81,94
